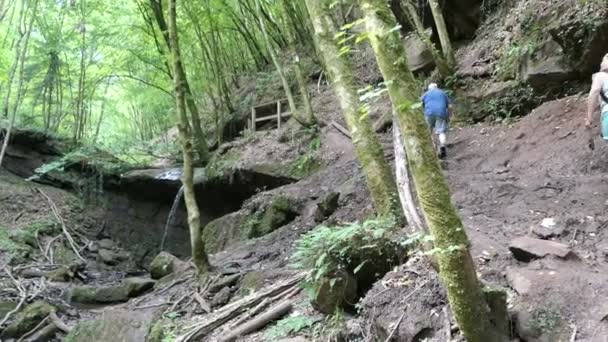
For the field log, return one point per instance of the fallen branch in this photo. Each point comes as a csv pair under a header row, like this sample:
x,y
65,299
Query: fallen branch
x,y
226,281
341,129
261,321
202,302
64,228
34,330
59,323
152,305
44,334
22,297
228,312
395,328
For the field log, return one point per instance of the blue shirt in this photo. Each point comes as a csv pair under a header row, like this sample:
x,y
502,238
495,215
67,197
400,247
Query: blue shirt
x,y
436,102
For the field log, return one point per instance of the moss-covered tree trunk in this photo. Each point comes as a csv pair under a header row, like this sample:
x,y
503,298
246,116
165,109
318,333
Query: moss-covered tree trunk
x,y
457,269
199,255
369,151
442,31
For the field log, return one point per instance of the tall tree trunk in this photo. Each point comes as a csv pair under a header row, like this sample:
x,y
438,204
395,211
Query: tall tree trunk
x,y
308,115
194,218
277,64
22,56
369,151
201,142
442,31
13,70
457,269
441,63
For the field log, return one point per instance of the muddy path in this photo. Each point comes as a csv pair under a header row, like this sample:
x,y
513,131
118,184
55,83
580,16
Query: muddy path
x,y
538,178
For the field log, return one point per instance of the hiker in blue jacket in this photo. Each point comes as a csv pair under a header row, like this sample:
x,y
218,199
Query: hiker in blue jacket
x,y
437,112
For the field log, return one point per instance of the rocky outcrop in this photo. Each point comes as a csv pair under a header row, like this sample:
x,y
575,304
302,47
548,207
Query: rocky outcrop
x,y
547,67
419,57
255,220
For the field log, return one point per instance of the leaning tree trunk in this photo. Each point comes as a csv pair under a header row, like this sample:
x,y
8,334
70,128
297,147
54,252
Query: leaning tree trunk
x,y
277,64
442,31
369,151
199,255
442,64
457,269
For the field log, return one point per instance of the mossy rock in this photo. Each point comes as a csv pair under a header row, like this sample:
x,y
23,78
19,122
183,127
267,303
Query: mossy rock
x,y
243,225
223,231
163,264
131,287
115,325
103,295
251,282
27,234
277,214
27,319
336,291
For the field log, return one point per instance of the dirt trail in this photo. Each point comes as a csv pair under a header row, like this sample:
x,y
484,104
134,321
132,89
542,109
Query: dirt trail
x,y
507,180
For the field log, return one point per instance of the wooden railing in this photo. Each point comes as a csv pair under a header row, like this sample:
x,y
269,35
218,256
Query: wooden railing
x,y
268,112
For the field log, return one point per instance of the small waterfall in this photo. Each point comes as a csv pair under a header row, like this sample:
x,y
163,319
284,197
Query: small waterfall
x,y
171,216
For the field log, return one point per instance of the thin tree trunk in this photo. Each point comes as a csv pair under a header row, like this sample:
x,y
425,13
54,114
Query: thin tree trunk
x,y
380,182
457,269
194,220
442,31
201,142
308,115
277,63
101,112
13,70
416,21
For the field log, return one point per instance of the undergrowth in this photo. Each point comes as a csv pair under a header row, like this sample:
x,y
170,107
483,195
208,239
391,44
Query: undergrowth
x,y
518,101
308,162
289,326
357,247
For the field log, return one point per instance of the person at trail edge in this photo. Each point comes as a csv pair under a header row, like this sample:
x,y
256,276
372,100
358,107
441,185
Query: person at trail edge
x,y
598,97
437,112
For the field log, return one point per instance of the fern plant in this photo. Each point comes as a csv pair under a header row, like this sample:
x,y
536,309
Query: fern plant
x,y
367,250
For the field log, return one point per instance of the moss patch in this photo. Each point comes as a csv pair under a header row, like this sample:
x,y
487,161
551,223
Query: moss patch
x,y
277,214
84,332
251,282
27,319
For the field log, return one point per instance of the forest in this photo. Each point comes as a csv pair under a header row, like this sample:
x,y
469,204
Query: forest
x,y
313,170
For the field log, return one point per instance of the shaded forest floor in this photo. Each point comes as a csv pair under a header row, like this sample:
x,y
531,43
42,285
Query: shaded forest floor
x,y
537,177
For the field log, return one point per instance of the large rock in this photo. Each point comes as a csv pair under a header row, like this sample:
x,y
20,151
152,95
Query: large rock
x,y
164,264
419,57
526,248
248,223
583,41
547,67
27,319
335,291
115,325
130,287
